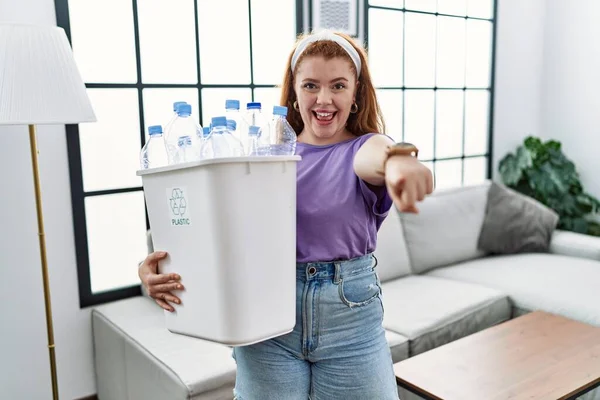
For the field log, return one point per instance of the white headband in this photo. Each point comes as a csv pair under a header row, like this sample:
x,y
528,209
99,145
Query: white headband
x,y
327,35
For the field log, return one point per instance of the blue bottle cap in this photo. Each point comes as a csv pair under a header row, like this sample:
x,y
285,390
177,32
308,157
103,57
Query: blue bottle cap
x,y
205,131
177,104
184,109
155,130
232,104
253,130
219,121
280,110
231,125
253,106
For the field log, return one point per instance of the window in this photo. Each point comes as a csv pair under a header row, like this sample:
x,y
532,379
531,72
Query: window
x,y
432,64
137,57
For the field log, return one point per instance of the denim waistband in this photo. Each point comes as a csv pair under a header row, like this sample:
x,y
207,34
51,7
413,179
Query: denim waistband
x,y
334,270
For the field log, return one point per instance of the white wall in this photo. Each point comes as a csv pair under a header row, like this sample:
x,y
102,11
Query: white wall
x,y
519,77
571,94
24,370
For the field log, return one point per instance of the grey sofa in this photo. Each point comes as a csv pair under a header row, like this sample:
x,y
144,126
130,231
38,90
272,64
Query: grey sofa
x,y
437,287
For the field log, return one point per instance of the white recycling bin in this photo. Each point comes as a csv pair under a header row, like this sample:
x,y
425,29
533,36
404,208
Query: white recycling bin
x,y
229,226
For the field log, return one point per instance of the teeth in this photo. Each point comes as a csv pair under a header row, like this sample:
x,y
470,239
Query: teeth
x,y
324,116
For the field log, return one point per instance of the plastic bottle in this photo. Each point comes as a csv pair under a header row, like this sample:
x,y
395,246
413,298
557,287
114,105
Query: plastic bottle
x,y
232,112
220,141
283,137
186,151
231,127
170,123
183,125
253,137
154,154
255,117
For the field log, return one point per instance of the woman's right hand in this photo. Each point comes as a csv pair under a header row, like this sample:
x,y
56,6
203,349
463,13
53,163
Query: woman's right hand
x,y
157,285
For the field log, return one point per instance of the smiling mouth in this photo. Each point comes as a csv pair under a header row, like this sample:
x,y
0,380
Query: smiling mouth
x,y
324,116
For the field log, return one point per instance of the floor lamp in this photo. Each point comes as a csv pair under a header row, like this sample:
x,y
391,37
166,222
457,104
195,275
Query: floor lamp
x,y
40,84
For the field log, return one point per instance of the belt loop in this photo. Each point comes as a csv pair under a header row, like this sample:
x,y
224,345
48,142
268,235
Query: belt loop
x,y
337,278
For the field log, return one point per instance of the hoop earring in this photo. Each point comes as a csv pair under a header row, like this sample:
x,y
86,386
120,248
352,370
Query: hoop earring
x,y
353,108
295,105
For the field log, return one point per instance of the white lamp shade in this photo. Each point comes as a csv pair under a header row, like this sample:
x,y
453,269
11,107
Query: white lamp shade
x,y
39,80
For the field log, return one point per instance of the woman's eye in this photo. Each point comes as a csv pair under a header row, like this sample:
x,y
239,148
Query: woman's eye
x,y
339,86
310,86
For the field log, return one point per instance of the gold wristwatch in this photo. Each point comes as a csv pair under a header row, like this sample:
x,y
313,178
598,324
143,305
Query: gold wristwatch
x,y
402,149
399,149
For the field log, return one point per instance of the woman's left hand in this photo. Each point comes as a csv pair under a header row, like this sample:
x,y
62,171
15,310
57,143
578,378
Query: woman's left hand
x,y
408,181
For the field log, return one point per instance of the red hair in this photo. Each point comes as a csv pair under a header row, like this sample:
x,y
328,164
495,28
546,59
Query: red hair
x,y
368,118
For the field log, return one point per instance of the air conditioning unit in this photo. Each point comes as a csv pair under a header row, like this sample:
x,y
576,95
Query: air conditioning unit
x,y
339,15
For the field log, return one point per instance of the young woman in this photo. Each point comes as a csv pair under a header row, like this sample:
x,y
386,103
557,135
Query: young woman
x,y
348,178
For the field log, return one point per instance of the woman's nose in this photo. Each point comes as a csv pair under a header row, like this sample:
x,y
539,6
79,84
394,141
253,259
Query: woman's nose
x,y
324,96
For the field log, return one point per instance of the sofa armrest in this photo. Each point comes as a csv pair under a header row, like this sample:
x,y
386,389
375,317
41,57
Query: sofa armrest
x,y
575,244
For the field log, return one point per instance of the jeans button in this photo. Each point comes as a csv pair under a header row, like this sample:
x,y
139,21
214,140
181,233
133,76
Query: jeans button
x,y
312,270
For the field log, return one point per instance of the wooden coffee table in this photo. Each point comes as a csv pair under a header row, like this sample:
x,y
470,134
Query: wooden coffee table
x,y
536,356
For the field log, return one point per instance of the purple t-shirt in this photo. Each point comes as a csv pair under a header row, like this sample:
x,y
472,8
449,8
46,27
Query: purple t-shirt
x,y
338,214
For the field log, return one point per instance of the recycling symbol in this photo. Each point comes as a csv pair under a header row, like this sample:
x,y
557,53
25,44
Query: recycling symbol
x,y
177,202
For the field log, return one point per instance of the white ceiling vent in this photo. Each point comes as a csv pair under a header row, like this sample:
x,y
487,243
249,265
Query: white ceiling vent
x,y
339,15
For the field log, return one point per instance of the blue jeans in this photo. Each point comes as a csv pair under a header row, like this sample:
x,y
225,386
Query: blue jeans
x,y
337,349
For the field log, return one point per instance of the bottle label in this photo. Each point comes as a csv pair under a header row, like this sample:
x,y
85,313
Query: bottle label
x,y
179,206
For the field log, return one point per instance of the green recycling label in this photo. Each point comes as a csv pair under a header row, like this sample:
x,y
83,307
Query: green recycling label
x,y
179,206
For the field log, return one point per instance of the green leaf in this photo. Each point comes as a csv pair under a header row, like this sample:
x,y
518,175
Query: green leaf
x,y
594,229
541,183
509,170
578,225
553,144
586,203
524,158
533,144
559,179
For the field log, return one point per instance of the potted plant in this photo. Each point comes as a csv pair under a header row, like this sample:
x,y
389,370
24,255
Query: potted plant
x,y
541,170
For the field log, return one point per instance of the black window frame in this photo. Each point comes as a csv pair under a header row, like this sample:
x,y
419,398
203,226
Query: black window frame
x,y
490,89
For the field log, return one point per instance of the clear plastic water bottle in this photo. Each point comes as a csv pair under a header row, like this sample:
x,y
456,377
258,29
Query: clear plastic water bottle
x,y
231,127
170,123
283,137
232,112
154,154
220,141
255,117
183,125
186,151
253,137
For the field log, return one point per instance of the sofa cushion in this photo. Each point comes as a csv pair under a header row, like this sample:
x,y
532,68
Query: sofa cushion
x,y
434,311
575,244
515,223
447,227
130,336
391,252
398,346
563,285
